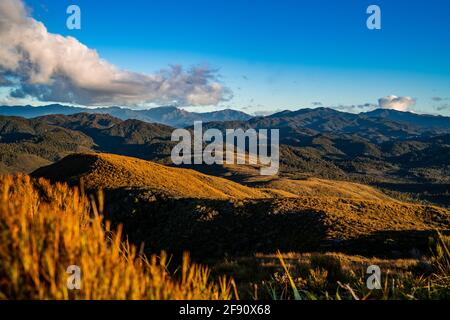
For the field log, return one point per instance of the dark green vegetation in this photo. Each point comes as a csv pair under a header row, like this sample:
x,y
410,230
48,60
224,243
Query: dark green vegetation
x,y
367,147
27,144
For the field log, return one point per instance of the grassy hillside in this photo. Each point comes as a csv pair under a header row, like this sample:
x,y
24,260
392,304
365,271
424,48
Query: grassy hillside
x,y
108,171
337,276
216,228
291,215
26,145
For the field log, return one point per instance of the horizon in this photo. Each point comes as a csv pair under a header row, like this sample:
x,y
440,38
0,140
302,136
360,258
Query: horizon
x,y
310,55
218,110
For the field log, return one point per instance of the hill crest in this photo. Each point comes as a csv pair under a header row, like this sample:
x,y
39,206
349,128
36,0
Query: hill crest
x,y
108,171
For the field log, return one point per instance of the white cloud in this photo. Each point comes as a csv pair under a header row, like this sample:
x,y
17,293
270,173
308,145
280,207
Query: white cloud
x,y
50,67
396,103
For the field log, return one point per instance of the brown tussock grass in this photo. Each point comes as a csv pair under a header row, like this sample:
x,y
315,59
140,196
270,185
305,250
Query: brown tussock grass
x,y
46,228
326,188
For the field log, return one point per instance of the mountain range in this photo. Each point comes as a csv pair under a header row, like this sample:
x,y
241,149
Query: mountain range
x,y
320,118
168,115
324,143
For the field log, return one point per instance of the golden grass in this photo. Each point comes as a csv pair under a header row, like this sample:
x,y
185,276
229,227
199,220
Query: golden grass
x,y
352,218
326,188
44,229
108,171
350,210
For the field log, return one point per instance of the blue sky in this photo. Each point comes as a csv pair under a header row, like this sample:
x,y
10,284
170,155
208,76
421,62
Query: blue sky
x,y
277,54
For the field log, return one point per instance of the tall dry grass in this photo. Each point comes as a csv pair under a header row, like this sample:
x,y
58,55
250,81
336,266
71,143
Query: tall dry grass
x,y
46,228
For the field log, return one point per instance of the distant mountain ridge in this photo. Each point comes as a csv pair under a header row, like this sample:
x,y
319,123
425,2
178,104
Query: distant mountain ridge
x,y
317,119
169,115
422,120
376,126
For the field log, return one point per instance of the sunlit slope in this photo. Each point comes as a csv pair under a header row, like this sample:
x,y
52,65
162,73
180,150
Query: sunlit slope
x,y
351,218
314,187
107,171
249,175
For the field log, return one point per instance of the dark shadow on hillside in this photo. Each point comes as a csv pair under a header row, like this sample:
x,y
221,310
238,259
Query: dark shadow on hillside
x,y
68,170
386,244
218,171
16,137
212,228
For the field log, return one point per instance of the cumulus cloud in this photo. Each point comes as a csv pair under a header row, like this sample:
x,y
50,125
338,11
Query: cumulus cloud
x,y
396,103
50,67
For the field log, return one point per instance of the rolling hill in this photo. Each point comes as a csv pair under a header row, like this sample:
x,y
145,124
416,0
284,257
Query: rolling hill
x,y
179,209
109,172
373,127
321,143
28,144
314,187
